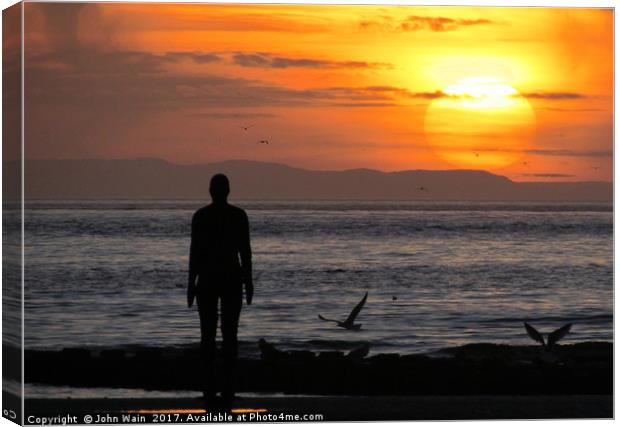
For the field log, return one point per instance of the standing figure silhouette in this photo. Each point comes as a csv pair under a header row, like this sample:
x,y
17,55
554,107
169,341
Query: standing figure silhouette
x,y
220,263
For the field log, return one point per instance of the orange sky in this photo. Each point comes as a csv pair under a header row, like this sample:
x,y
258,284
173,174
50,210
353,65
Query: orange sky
x,y
331,87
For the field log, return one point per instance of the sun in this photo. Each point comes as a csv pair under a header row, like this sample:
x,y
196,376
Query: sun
x,y
479,123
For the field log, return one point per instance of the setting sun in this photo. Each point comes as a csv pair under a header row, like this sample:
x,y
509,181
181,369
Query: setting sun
x,y
479,122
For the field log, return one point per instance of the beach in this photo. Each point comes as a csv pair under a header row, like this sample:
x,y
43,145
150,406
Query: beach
x,y
340,408
480,381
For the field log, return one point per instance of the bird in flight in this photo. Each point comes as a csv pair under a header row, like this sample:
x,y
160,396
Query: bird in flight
x,y
423,189
476,154
553,337
246,127
263,141
595,168
349,323
267,350
360,352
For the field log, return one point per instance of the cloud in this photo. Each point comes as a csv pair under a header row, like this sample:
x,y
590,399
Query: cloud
x,y
234,115
572,153
365,104
438,24
554,96
131,81
574,110
423,23
266,60
550,152
88,61
548,175
197,57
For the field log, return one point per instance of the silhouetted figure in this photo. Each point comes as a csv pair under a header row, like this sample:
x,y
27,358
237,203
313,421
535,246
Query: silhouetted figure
x,y
220,262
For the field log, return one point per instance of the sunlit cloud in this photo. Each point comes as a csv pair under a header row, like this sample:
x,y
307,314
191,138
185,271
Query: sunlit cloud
x,y
422,23
266,60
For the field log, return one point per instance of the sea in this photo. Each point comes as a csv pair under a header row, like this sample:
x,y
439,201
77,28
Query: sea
x,y
113,274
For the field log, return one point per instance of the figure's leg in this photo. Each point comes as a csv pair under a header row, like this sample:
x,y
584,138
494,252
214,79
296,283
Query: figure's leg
x,y
207,308
231,309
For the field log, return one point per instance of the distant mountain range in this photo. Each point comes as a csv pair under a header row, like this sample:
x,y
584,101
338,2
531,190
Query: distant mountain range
x,y
159,179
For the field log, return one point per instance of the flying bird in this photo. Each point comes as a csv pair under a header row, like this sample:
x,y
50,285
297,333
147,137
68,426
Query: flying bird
x,y
263,141
360,352
246,127
423,189
349,323
477,155
553,337
595,168
267,350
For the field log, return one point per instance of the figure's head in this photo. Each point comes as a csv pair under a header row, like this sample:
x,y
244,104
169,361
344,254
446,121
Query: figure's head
x,y
219,187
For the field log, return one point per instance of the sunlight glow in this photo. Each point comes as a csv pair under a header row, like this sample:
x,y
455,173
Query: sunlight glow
x,y
483,92
480,123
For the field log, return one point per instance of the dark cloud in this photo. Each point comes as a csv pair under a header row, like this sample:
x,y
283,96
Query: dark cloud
x,y
266,60
551,152
572,153
197,57
364,104
90,62
423,23
140,82
553,96
235,115
548,175
574,110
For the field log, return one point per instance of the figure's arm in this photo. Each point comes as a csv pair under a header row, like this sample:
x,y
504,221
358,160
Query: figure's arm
x,y
245,253
191,281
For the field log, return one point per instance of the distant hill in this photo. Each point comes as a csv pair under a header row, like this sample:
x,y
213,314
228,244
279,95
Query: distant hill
x,y
158,179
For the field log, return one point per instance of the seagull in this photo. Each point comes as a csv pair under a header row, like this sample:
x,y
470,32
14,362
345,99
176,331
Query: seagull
x,y
348,324
268,351
246,127
553,337
263,141
360,352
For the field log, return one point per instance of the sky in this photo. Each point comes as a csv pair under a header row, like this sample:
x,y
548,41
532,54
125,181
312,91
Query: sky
x,y
522,92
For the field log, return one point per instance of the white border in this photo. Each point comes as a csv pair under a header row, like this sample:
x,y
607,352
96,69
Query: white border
x,y
495,3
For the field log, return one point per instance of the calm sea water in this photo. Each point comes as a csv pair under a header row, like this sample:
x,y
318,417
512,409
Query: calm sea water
x,y
113,273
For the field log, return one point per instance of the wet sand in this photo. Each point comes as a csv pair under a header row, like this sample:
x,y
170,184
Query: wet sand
x,y
472,370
